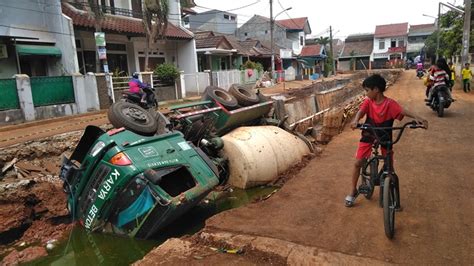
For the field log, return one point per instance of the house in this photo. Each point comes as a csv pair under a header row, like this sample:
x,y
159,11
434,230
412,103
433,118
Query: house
x,y
213,20
417,35
390,43
36,39
215,52
356,52
312,57
288,33
259,52
125,38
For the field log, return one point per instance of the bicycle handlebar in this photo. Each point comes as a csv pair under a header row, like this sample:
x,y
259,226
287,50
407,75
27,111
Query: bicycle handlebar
x,y
411,124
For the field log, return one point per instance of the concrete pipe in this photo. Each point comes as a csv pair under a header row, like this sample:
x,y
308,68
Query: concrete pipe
x,y
257,155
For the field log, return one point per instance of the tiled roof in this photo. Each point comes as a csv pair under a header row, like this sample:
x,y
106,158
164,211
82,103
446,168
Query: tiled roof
x,y
119,23
391,30
362,47
202,34
311,50
292,24
422,29
210,42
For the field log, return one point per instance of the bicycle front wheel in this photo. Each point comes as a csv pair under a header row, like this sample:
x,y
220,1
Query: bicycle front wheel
x,y
389,204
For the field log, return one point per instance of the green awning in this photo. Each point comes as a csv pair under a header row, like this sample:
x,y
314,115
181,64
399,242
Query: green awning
x,y
24,49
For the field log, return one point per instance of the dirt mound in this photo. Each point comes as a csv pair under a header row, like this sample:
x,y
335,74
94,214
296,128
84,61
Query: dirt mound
x,y
31,214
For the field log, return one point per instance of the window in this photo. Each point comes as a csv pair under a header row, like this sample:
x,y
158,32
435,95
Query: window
x,y
301,40
232,17
116,47
381,44
245,34
226,16
393,43
266,31
401,43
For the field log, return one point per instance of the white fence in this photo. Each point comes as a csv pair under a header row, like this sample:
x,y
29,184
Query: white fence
x,y
195,84
224,79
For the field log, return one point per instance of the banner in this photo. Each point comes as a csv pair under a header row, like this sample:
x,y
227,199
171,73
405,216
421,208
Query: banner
x,y
99,38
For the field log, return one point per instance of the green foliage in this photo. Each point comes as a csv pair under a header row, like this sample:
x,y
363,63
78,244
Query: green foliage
x,y
252,65
166,72
322,40
450,39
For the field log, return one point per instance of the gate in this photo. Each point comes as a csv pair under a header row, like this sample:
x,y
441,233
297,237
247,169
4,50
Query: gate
x,y
9,99
52,90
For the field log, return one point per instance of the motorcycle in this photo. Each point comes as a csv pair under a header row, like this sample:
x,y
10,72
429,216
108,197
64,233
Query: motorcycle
x,y
134,98
440,99
420,73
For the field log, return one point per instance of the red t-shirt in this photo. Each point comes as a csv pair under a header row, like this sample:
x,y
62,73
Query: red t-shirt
x,y
381,115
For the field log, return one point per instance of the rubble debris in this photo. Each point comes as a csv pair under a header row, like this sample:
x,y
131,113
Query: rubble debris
x,y
8,165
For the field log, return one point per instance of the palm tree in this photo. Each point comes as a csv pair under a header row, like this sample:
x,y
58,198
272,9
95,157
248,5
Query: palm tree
x,y
155,22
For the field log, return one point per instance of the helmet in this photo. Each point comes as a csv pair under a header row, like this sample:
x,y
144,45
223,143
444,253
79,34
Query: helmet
x,y
135,75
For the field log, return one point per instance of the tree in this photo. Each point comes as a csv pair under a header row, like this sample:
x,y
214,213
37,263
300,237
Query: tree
x,y
352,62
155,22
94,12
450,38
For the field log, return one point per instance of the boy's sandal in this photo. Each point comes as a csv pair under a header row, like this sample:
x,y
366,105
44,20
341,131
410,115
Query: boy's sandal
x,y
350,200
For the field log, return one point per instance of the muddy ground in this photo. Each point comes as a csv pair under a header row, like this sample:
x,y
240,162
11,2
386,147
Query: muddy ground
x,y
33,209
435,171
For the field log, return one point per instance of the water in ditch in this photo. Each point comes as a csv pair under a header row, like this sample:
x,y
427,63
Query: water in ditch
x,y
84,248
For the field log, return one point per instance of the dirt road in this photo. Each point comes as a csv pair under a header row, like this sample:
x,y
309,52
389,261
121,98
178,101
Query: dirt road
x,y
436,173
14,134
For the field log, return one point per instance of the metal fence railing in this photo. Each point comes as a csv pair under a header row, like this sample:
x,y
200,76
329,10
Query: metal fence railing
x,y
52,90
8,91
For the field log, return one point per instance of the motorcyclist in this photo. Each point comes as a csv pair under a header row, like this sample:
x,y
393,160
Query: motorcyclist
x,y
136,87
439,75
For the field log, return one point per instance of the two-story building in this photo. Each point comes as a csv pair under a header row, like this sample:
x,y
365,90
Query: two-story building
x,y
35,39
390,43
125,38
287,34
417,35
213,20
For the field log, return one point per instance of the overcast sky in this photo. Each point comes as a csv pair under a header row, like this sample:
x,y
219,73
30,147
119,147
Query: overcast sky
x,y
345,16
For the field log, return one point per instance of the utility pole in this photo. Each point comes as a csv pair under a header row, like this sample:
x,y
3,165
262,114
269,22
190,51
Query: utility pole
x,y
331,53
271,39
438,32
466,32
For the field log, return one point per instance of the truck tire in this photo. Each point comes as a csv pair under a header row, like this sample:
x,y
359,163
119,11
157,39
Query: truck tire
x,y
221,96
244,96
132,117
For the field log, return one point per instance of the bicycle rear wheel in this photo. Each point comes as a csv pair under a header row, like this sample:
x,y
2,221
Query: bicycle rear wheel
x,y
389,204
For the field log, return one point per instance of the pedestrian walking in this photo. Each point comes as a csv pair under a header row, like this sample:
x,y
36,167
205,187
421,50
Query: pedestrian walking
x,y
466,74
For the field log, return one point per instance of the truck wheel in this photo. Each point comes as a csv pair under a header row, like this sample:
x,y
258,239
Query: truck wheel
x,y
132,117
244,96
221,96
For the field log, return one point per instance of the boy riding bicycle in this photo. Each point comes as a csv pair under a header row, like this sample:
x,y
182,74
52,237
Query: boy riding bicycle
x,y
380,111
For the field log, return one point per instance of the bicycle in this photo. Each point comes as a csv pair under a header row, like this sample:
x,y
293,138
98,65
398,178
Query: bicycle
x,y
386,178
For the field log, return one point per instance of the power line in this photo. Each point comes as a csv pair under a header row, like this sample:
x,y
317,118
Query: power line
x,y
284,10
237,8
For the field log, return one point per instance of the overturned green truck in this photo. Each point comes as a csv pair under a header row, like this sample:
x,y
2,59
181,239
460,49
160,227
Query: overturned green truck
x,y
134,184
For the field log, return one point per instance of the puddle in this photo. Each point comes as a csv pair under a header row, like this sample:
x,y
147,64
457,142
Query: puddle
x,y
84,248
